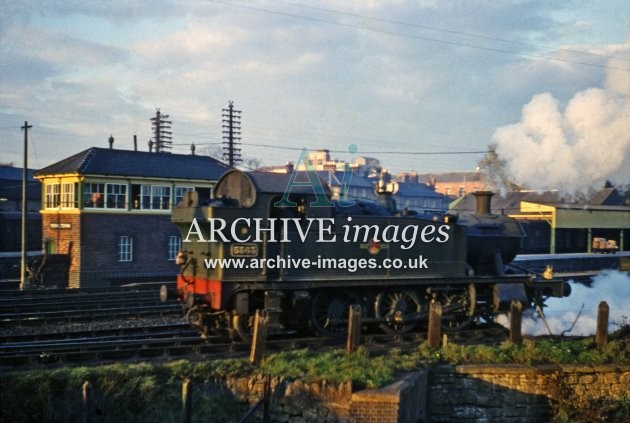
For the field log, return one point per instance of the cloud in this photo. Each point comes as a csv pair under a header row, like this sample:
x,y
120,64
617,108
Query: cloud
x,y
373,72
60,50
576,148
197,42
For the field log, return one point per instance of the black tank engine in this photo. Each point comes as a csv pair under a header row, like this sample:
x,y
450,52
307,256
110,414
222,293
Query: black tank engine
x,y
306,259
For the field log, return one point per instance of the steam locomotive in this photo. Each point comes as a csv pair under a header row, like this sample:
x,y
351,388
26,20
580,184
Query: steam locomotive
x,y
268,242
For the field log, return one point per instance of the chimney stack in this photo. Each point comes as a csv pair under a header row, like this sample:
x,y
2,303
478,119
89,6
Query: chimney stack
x,y
111,142
135,143
483,200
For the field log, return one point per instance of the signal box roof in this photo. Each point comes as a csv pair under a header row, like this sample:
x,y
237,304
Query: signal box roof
x,y
129,163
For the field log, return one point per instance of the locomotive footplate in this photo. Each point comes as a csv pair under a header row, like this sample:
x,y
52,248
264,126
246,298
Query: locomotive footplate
x,y
549,287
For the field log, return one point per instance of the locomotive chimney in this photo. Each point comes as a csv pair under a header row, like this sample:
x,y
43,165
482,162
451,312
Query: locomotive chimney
x,y
483,200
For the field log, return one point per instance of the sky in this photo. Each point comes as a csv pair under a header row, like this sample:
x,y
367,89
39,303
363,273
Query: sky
x,y
424,86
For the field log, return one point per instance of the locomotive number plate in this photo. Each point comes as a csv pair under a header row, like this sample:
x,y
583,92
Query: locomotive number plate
x,y
244,250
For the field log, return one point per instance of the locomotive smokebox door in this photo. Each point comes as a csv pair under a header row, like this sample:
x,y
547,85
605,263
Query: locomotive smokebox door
x,y
505,293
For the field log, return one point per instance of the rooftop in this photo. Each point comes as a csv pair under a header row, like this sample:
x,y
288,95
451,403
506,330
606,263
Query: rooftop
x,y
113,162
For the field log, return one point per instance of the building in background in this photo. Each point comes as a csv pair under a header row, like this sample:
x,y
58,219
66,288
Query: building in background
x,y
411,194
452,184
109,210
11,219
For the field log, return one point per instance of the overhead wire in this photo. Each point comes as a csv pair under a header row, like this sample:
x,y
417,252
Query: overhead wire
x,y
452,31
415,36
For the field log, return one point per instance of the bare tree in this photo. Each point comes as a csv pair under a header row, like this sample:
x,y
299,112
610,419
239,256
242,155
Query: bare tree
x,y
249,163
495,172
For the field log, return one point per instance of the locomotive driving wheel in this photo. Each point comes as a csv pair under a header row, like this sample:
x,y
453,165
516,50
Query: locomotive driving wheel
x,y
400,309
194,316
461,306
329,312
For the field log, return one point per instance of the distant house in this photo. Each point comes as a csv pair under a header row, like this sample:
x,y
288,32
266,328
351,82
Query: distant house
x,y
452,184
420,197
358,187
411,194
110,211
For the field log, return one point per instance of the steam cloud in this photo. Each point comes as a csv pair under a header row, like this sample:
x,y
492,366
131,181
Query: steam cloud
x,y
574,150
610,286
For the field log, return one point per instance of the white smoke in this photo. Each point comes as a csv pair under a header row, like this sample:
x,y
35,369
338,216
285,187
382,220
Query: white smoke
x,y
577,149
611,286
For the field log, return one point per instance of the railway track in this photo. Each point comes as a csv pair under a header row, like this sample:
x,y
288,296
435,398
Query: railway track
x,y
47,313
56,306
121,333
78,350
89,314
179,340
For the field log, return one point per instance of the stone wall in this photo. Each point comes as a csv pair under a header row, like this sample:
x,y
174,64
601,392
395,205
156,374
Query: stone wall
x,y
295,401
518,393
472,393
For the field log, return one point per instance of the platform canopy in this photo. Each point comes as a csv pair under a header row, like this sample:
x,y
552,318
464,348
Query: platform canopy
x,y
577,216
572,216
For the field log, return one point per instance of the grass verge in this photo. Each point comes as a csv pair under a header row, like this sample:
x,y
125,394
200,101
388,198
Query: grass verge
x,y
151,392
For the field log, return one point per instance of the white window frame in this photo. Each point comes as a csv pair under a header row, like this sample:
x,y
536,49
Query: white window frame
x,y
158,196
53,195
68,192
91,198
125,248
173,247
118,190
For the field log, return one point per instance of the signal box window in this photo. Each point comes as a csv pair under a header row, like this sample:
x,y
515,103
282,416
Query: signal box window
x,y
94,195
53,196
125,248
151,197
116,196
68,195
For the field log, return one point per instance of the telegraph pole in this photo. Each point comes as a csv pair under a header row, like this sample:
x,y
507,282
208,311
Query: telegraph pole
x,y
231,135
161,134
25,128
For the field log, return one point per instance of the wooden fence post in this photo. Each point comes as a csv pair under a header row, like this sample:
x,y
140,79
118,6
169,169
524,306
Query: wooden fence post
x,y
601,335
354,328
516,315
435,324
186,400
87,402
259,339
